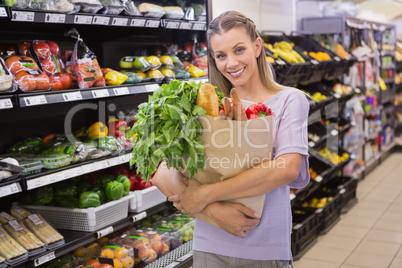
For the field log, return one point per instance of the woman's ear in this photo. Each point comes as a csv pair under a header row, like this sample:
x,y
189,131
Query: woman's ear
x,y
258,47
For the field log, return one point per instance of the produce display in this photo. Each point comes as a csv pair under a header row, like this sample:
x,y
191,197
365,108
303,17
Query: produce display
x,y
6,78
333,156
286,51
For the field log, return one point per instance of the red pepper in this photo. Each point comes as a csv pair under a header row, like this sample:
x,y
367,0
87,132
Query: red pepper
x,y
223,106
118,128
119,170
258,110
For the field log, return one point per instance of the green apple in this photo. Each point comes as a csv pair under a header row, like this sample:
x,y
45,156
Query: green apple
x,y
141,63
126,62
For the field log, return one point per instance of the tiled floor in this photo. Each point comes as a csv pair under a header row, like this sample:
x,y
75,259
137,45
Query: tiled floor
x,y
370,234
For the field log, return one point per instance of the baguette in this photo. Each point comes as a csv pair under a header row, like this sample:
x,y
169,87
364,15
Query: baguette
x,y
226,104
239,112
208,99
43,231
9,248
19,212
24,237
5,217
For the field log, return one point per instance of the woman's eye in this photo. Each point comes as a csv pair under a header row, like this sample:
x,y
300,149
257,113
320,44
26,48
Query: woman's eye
x,y
239,50
220,57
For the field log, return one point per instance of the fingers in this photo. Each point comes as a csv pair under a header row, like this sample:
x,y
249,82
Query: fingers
x,y
249,213
174,198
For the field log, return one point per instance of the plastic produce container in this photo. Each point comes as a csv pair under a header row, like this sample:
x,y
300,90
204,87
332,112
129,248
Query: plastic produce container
x,y
31,167
53,161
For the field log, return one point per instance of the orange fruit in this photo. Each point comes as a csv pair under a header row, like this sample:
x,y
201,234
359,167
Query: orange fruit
x,y
107,253
121,253
128,262
117,263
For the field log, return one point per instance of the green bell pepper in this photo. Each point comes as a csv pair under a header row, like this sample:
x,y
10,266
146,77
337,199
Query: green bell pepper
x,y
43,196
101,193
102,180
126,183
69,203
83,186
114,190
89,199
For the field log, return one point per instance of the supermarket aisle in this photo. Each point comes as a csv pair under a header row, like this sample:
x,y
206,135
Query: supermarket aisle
x,y
370,234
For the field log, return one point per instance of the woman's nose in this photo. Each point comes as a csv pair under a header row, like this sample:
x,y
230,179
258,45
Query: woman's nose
x,y
231,62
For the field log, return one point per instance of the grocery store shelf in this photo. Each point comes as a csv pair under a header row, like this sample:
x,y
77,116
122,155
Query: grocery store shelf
x,y
387,52
11,187
181,257
372,135
389,80
7,101
388,67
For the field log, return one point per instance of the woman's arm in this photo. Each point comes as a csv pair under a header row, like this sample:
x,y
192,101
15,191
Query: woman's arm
x,y
256,181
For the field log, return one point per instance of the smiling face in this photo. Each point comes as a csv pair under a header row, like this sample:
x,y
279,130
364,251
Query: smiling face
x,y
236,55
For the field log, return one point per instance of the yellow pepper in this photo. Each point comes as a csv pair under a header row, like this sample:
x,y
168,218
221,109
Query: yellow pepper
x,y
97,130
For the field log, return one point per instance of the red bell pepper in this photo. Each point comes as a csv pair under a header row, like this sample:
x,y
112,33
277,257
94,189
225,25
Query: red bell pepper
x,y
258,110
118,128
118,170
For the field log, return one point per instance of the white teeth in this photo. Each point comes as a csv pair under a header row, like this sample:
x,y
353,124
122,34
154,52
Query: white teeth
x,y
238,72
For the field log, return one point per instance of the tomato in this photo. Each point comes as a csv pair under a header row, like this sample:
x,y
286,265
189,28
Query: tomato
x,y
42,49
54,48
94,263
106,266
66,80
55,82
42,82
65,56
24,48
28,62
25,81
48,66
13,64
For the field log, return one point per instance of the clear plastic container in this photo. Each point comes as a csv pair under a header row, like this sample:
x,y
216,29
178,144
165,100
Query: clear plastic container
x,y
151,10
88,6
111,7
53,161
31,167
6,79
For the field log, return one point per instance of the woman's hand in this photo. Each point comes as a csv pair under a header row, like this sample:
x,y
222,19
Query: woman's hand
x,y
192,200
234,218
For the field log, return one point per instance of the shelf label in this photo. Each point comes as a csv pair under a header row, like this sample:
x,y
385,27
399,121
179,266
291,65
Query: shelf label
x,y
152,23
45,258
6,104
101,164
198,26
140,216
280,62
100,93
152,87
185,257
172,25
311,144
186,25
297,226
6,216
342,191
10,189
336,95
88,168
35,219
35,100
105,232
34,183
319,210
55,18
3,12
72,96
292,196
118,91
315,62
100,20
22,16
81,19
334,132
16,226
113,161
318,179
120,21
138,22
336,58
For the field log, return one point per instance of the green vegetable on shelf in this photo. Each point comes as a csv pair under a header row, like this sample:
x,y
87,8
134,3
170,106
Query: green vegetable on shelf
x,y
114,190
43,196
83,186
29,146
102,180
126,183
65,191
89,199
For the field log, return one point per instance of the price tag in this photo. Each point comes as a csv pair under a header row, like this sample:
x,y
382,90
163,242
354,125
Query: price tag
x,y
311,144
105,232
45,258
342,191
67,174
336,58
120,21
16,226
336,95
128,157
315,62
52,178
280,62
100,20
152,23
138,22
173,264
319,210
292,196
72,96
172,25
34,183
6,104
140,216
55,18
185,257
3,12
118,91
152,87
100,93
318,179
186,25
88,168
334,132
198,26
101,164
6,216
35,219
297,226
35,100
81,19
22,16
113,161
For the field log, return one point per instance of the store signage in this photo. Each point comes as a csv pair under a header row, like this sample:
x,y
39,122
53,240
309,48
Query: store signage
x,y
199,26
72,96
10,189
88,168
138,22
6,104
105,232
3,12
172,25
119,21
152,23
100,20
100,93
55,18
186,26
118,91
22,16
152,87
82,19
35,100
45,258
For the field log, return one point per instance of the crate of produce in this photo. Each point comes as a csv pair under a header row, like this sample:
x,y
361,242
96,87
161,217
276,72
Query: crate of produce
x,y
89,219
146,199
296,64
304,230
346,186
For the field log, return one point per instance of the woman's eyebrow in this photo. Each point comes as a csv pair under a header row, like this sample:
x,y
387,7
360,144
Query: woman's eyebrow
x,y
218,51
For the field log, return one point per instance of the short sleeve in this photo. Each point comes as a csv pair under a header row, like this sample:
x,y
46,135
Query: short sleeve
x,y
292,135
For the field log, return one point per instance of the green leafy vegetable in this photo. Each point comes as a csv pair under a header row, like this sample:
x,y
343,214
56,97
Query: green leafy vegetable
x,y
168,129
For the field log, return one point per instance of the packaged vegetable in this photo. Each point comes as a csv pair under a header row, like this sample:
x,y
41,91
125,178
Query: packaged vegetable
x,y
156,75
173,12
168,73
110,144
154,61
130,9
114,78
132,78
181,74
151,10
88,6
167,62
61,6
28,146
53,161
6,79
5,217
111,7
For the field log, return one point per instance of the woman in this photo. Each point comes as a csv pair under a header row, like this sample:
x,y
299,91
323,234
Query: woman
x,y
237,59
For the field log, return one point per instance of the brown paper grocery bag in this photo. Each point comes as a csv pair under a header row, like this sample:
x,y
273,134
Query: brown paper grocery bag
x,y
232,147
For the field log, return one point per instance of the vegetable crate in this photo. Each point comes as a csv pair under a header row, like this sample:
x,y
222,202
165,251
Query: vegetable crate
x,y
304,230
330,214
89,219
347,191
146,199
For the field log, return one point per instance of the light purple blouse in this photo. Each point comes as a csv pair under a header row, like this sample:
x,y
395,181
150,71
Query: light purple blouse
x,y
271,239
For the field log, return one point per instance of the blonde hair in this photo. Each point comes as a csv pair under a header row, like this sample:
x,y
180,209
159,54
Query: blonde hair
x,y
223,23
